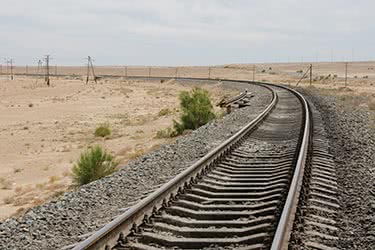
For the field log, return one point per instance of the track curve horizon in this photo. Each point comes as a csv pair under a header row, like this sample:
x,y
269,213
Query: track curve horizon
x,y
241,195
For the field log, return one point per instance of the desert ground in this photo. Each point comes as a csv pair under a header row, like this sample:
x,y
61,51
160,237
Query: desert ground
x,y
44,129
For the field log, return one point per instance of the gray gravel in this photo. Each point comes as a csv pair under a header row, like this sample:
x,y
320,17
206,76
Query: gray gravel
x,y
60,222
351,132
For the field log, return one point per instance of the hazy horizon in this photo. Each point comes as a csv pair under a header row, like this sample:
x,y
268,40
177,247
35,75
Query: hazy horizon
x,y
186,33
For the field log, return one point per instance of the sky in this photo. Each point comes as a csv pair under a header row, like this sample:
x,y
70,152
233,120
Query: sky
x,y
186,32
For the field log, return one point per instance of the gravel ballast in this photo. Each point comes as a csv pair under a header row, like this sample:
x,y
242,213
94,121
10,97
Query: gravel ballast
x,y
61,222
352,139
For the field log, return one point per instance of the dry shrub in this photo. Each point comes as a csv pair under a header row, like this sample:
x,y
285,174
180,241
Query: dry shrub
x,y
137,153
17,170
8,200
5,184
103,130
164,112
57,194
53,178
165,133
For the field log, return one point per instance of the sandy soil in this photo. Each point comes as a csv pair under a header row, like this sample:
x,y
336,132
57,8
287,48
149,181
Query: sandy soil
x,y
44,129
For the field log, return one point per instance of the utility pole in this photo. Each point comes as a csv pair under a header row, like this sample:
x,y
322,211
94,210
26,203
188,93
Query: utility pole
x,y
11,68
346,73
209,72
46,77
176,72
90,66
311,74
126,71
55,70
149,71
27,69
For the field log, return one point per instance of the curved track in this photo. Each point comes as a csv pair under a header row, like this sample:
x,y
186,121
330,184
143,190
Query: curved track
x,y
241,195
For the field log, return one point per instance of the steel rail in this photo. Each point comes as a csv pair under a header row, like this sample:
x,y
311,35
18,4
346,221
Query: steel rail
x,y
285,224
136,215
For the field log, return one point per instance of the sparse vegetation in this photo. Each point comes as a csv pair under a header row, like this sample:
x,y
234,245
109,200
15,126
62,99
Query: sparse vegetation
x,y
5,184
8,200
17,170
263,71
164,111
137,153
196,108
53,178
57,194
103,130
93,164
165,133
299,71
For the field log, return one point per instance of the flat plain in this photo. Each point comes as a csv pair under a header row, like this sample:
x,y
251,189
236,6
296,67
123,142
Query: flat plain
x,y
44,129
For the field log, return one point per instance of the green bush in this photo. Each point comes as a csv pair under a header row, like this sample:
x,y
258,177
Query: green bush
x,y
196,108
103,130
93,164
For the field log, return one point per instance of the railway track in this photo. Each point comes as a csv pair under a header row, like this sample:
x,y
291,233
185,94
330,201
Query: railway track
x,y
241,195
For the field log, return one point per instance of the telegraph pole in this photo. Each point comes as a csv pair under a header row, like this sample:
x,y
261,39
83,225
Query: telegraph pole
x,y
126,71
310,74
11,68
149,71
176,72
39,66
27,69
46,77
209,72
55,70
90,66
